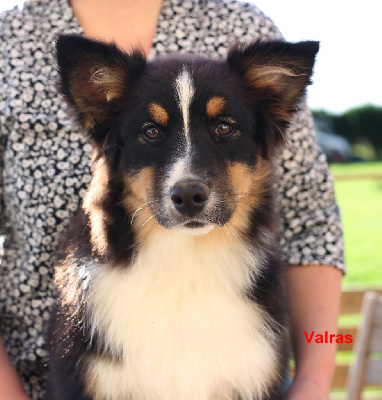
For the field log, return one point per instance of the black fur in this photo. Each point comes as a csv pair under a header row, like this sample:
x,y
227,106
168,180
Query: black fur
x,y
111,113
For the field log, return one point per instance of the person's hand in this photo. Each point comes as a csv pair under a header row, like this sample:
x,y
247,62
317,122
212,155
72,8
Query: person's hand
x,y
305,389
10,383
13,393
13,390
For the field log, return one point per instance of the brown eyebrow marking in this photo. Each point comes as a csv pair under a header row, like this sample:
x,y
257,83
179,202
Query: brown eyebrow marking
x,y
215,106
158,114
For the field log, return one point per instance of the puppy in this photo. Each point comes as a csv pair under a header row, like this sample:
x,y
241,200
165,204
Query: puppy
x,y
170,285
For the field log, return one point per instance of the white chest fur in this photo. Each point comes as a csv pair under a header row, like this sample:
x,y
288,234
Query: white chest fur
x,y
184,326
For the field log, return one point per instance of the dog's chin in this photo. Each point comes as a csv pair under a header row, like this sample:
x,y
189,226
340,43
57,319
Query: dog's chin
x,y
195,228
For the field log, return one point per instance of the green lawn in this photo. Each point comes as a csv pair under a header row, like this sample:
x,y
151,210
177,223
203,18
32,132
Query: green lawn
x,y
360,201
357,168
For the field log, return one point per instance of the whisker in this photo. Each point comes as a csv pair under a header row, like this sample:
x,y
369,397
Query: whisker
x,y
135,212
140,208
147,220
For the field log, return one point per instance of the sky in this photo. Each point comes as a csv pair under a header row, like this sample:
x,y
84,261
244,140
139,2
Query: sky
x,y
348,71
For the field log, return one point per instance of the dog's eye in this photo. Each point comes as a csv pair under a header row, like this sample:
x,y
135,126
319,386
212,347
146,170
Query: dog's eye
x,y
152,133
223,129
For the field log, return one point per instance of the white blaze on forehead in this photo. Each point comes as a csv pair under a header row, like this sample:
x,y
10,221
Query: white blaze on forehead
x,y
178,172
185,91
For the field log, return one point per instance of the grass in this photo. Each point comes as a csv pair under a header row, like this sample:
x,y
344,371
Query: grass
x,y
360,201
356,168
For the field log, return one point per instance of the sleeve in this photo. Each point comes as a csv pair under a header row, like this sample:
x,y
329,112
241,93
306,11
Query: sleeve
x,y
311,230
310,218
2,119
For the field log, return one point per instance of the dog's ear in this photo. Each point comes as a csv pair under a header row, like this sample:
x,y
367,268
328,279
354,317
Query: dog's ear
x,y
94,79
277,74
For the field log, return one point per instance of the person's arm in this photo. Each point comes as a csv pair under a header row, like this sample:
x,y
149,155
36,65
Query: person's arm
x,y
314,292
10,384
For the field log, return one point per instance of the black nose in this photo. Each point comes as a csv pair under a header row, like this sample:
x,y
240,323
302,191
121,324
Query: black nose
x,y
189,198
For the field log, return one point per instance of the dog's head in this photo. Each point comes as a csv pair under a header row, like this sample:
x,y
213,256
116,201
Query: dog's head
x,y
190,139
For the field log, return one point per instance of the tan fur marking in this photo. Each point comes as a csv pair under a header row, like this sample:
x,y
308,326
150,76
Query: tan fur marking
x,y
215,106
158,114
138,202
251,185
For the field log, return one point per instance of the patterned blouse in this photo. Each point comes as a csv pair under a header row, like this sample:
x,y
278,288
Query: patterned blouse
x,y
44,161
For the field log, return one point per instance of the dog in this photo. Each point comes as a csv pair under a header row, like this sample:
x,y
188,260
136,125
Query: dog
x,y
170,284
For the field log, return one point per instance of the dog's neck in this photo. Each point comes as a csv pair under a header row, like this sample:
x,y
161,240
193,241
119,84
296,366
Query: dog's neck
x,y
174,306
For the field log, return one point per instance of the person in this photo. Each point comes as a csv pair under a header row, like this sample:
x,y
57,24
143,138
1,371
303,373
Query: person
x,y
45,170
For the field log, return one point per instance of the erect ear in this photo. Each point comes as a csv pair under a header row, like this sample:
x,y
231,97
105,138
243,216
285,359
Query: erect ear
x,y
94,78
277,74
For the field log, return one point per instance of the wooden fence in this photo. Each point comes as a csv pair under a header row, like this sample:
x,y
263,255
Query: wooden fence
x,y
351,302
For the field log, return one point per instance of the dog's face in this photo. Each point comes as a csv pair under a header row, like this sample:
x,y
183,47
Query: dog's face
x,y
188,145
190,139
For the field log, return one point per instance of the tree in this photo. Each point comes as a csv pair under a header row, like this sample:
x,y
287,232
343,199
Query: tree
x,y
358,124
